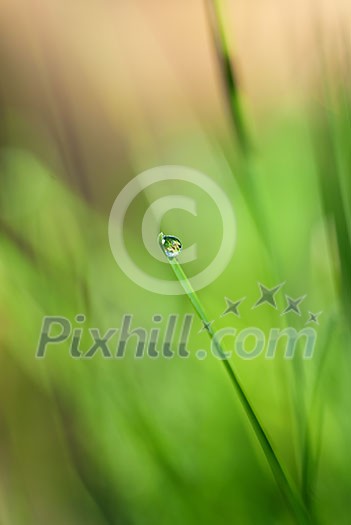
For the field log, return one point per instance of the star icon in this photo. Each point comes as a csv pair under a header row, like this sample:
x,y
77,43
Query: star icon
x,y
232,307
267,295
206,326
313,318
293,305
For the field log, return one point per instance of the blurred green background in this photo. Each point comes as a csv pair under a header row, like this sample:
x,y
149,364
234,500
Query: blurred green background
x,y
91,94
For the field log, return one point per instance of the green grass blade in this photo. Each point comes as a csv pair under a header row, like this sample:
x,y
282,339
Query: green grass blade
x,y
288,490
228,74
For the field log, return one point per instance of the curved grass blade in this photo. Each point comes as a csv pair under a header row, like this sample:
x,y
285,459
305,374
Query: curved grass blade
x,y
285,485
229,77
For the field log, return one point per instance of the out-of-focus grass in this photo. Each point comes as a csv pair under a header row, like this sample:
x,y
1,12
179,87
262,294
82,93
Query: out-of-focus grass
x,y
161,440
165,441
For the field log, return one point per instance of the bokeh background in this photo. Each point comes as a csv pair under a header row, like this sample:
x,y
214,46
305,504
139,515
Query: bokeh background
x,y
91,94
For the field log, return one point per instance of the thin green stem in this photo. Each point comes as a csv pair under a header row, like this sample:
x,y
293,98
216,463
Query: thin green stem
x,y
228,74
288,490
238,119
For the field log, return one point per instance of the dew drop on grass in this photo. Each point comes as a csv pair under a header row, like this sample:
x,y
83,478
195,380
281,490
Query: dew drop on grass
x,y
170,245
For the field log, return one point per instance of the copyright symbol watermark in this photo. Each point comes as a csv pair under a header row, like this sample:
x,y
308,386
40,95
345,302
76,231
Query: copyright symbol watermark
x,y
150,227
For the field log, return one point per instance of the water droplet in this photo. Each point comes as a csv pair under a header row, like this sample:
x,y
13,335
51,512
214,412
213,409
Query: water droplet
x,y
170,245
